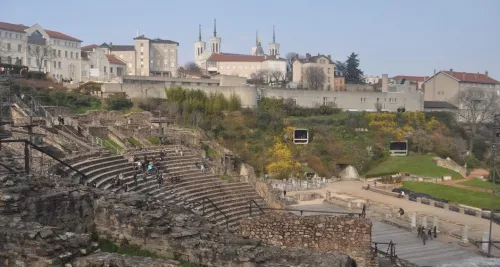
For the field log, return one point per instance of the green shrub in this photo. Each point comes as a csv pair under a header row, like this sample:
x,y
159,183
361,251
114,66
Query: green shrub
x,y
36,75
155,140
119,102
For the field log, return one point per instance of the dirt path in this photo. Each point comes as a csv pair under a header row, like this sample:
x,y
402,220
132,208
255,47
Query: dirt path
x,y
458,183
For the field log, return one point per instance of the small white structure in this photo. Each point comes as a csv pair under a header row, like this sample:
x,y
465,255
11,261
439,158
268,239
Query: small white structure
x,y
398,148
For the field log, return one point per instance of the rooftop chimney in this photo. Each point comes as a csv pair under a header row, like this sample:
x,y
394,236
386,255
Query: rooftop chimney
x,y
451,72
486,73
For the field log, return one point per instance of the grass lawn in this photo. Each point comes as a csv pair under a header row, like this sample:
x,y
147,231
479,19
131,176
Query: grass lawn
x,y
155,140
418,165
82,110
134,142
453,194
111,145
481,184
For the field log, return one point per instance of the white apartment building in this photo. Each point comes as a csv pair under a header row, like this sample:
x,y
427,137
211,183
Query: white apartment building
x,y
43,50
98,64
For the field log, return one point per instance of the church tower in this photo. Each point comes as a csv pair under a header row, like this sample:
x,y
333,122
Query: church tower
x,y
215,41
199,46
257,49
274,48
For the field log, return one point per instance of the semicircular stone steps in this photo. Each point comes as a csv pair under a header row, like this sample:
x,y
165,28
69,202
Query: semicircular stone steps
x,y
195,190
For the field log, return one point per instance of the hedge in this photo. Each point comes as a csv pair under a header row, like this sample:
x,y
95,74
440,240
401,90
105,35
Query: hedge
x,y
15,68
380,174
37,75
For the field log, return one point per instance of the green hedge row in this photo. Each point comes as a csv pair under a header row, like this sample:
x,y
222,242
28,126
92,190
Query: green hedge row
x,y
380,174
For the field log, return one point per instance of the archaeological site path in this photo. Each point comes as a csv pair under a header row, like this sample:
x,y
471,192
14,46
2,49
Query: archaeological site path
x,y
408,246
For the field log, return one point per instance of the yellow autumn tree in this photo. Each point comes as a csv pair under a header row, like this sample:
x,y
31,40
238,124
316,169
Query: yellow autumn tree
x,y
282,164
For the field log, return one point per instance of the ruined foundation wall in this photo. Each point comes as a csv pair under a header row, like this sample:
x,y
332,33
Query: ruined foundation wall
x,y
319,233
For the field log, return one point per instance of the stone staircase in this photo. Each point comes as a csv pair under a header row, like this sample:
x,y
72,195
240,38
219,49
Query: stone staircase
x,y
205,194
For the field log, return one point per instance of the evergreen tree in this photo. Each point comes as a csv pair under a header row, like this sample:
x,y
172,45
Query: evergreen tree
x,y
353,73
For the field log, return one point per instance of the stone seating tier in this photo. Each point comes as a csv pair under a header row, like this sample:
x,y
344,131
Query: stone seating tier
x,y
232,198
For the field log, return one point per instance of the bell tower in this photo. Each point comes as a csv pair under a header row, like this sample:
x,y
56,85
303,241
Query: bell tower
x,y
199,46
215,41
274,48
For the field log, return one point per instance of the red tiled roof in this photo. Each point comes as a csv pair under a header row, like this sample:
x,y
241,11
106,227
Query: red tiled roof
x,y
62,36
472,77
236,57
89,47
410,78
12,27
113,59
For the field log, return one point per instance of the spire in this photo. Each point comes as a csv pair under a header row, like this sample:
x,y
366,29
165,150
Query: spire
x,y
257,38
215,27
274,36
199,32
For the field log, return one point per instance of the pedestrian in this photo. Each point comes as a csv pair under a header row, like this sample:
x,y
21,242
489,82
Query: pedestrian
x,y
202,169
284,193
424,236
182,153
435,232
429,233
144,176
135,179
419,231
117,180
121,177
126,187
150,168
401,212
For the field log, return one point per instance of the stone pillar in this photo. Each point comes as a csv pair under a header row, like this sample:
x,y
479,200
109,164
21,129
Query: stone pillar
x,y
424,221
465,235
486,238
435,223
413,220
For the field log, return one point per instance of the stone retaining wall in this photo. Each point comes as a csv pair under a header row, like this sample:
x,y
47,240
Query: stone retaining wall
x,y
450,164
319,233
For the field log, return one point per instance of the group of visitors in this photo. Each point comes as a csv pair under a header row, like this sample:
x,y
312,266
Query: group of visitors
x,y
425,234
60,119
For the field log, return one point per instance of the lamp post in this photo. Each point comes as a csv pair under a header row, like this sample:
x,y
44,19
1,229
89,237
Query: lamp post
x,y
496,139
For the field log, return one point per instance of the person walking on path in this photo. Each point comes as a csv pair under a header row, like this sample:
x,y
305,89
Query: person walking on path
x,y
135,179
424,236
419,231
401,212
429,233
284,193
435,232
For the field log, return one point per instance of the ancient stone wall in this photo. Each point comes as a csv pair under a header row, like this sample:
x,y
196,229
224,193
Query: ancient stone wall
x,y
450,164
58,111
319,233
99,131
263,188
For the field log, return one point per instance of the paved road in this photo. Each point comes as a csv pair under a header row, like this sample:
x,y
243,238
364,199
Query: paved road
x,y
409,247
353,188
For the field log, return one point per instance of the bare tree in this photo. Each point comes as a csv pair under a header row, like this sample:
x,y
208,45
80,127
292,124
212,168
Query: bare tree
x,y
314,78
259,77
277,78
3,49
43,55
181,72
192,68
290,57
477,106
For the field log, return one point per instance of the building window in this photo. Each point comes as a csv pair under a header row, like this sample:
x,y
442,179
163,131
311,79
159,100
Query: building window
x,y
55,64
59,53
19,48
45,63
66,54
76,55
110,69
60,65
363,100
104,69
71,54
8,46
325,100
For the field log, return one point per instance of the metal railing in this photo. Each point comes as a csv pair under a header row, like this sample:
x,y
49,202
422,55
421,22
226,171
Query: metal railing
x,y
94,140
208,201
390,252
252,202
